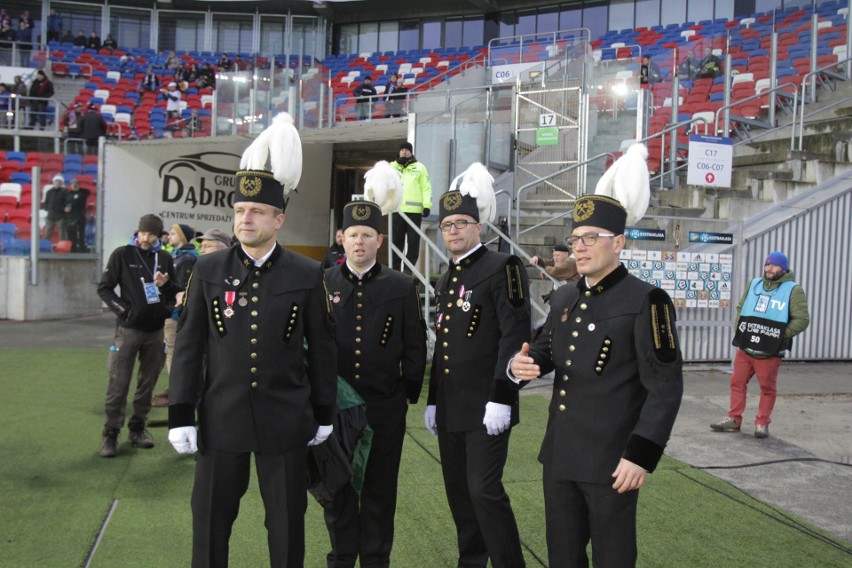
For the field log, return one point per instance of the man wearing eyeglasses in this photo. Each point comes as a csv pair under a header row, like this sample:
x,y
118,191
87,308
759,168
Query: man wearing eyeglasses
x,y
617,388
483,312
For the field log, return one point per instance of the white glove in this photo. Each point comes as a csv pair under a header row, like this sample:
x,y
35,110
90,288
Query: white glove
x,y
184,439
429,419
497,418
323,432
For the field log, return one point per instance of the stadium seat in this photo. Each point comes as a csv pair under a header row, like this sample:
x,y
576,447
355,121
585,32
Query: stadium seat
x,y
63,246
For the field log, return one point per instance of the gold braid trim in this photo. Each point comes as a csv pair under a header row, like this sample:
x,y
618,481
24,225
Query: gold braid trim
x,y
669,327
655,324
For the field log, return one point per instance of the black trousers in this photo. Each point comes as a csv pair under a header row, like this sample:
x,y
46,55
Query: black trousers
x,y
365,525
222,478
576,512
402,233
472,464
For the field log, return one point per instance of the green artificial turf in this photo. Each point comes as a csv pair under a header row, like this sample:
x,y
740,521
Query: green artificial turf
x,y
55,492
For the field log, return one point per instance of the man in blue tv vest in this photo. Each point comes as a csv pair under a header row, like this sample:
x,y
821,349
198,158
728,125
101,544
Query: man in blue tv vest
x,y
772,311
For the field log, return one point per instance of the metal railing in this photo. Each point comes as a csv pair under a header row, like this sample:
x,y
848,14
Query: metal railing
x,y
814,73
777,90
526,186
518,251
431,250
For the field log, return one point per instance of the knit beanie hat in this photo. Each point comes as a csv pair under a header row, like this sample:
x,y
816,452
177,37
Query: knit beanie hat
x,y
186,232
779,259
150,224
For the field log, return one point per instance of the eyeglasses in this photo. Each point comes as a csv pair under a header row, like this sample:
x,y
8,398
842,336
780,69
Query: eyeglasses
x,y
458,225
589,239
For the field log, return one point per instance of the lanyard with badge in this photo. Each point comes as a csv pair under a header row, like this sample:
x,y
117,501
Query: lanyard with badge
x,y
152,292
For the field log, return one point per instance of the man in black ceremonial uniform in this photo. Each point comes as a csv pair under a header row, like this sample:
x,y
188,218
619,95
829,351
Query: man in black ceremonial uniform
x,y
483,308
248,312
619,379
381,352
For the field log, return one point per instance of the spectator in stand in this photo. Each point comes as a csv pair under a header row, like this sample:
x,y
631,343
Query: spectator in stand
x,y
25,41
224,64
365,94
94,41
41,89
54,26
238,64
191,73
5,18
19,89
54,204
27,18
151,82
68,37
7,36
5,97
649,72
709,66
75,216
125,63
109,42
395,98
206,77
172,61
92,127
172,97
71,121
80,40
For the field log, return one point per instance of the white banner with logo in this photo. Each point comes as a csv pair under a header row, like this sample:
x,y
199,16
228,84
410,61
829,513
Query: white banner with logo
x,y
192,182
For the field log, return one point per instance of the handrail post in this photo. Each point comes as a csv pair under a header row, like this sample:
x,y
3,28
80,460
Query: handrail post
x,y
675,113
727,100
773,76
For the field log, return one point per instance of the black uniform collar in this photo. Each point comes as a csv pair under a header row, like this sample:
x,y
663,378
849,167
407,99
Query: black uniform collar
x,y
248,262
606,283
469,259
352,277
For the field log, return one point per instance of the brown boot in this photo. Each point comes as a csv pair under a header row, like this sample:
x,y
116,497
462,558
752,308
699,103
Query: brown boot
x,y
140,438
109,448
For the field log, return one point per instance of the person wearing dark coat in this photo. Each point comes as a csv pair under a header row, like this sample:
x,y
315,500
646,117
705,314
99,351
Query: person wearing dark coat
x,y
240,364
94,41
336,253
150,82
75,215
54,205
80,39
381,353
41,89
144,275
92,127
483,310
612,342
395,96
54,26
365,98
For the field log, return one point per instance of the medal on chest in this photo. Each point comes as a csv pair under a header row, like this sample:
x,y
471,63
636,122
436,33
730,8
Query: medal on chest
x,y
464,299
230,296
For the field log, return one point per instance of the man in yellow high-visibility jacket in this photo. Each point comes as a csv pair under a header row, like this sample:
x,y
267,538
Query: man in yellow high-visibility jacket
x,y
416,203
